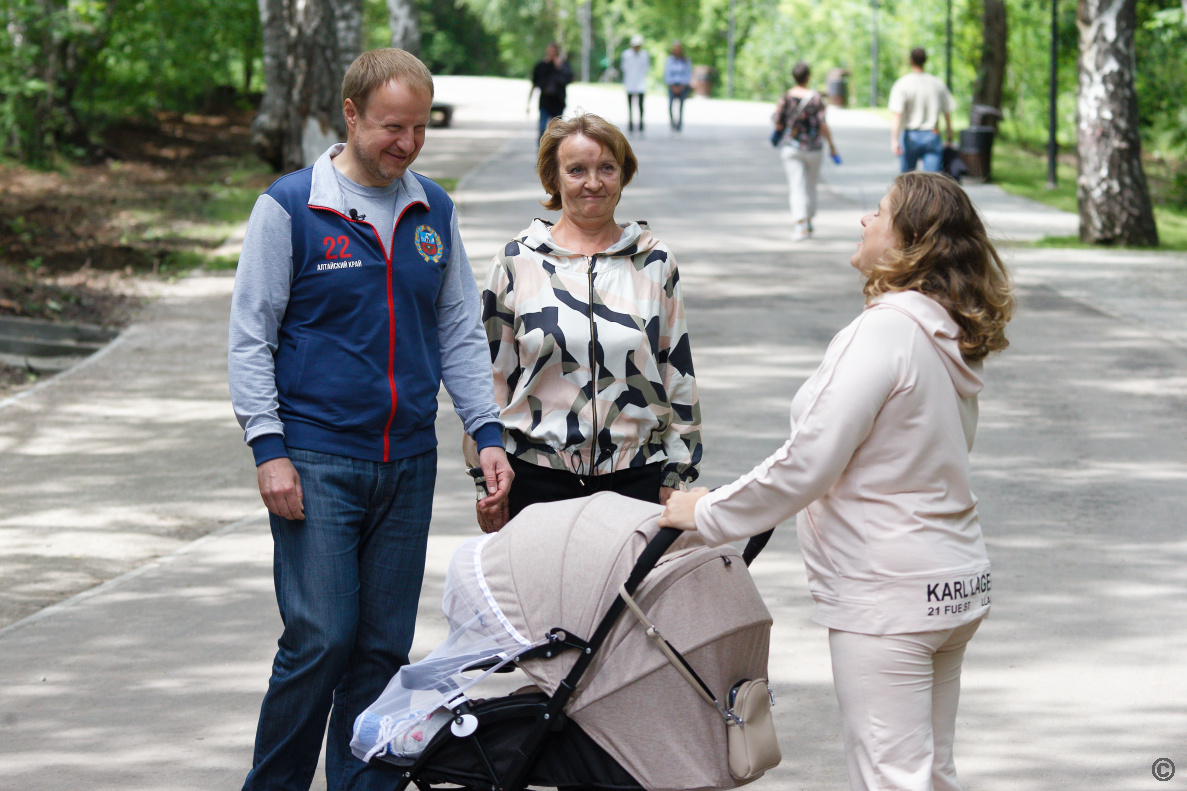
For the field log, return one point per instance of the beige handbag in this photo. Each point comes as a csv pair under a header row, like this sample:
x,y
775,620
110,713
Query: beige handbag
x,y
750,731
753,748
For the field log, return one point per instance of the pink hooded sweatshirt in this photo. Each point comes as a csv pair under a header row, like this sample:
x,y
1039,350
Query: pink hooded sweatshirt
x,y
877,467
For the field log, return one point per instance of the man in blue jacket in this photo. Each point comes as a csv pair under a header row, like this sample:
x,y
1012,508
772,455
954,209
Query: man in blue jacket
x,y
353,302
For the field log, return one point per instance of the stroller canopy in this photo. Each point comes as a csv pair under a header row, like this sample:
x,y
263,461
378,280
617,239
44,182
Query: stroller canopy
x,y
561,564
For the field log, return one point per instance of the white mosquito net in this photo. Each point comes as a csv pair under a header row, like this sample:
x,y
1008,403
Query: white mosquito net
x,y
411,709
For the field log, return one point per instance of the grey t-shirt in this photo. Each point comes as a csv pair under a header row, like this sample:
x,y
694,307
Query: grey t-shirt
x,y
377,205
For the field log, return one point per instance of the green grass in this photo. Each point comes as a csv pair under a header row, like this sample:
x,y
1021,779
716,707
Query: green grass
x,y
1021,171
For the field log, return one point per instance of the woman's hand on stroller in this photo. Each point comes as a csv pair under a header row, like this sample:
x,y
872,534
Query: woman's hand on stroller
x,y
681,509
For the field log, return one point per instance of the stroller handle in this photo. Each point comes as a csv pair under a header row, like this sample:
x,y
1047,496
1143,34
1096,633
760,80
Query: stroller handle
x,y
651,554
755,545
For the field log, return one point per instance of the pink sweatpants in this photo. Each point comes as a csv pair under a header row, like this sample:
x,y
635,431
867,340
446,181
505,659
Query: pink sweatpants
x,y
898,695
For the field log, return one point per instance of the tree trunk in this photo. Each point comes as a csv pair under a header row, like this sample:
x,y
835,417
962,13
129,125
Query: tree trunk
x,y
405,28
992,74
307,46
1113,197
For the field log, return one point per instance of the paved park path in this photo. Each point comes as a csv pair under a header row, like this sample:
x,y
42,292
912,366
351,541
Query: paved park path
x,y
128,473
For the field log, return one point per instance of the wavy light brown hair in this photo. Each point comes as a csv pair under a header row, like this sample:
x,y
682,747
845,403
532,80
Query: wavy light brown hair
x,y
944,252
595,128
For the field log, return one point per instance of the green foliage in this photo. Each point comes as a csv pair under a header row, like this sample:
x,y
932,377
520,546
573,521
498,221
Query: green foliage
x,y
452,39
1162,39
1026,94
70,67
173,55
524,28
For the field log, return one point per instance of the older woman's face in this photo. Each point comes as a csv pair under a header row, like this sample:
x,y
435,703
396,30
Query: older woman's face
x,y
590,180
877,236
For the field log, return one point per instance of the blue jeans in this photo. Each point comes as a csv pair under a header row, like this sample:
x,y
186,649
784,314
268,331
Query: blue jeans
x,y
922,144
545,117
676,106
348,580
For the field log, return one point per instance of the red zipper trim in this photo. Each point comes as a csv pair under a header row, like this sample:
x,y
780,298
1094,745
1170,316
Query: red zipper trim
x,y
391,314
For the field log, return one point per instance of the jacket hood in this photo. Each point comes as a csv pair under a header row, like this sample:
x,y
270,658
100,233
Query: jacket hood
x,y
636,238
943,332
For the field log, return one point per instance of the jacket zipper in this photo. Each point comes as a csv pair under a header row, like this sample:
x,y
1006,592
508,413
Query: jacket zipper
x,y
391,313
391,327
593,369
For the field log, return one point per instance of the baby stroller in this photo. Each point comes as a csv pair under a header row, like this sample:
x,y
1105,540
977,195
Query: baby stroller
x,y
607,709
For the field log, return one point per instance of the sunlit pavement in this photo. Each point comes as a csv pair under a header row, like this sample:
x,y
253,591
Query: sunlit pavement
x,y
153,681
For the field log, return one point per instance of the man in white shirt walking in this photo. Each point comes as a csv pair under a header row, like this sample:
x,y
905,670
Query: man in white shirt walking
x,y
917,100
636,62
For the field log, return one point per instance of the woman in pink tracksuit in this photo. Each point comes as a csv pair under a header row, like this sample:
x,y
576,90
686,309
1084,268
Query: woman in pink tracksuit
x,y
877,468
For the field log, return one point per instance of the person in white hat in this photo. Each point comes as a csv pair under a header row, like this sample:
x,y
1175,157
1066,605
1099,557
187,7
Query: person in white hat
x,y
635,64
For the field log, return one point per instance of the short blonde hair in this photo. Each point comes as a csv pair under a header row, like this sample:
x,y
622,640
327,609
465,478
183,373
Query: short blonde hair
x,y
595,128
379,67
944,252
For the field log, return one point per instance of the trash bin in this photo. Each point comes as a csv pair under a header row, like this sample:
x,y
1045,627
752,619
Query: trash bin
x,y
703,78
976,150
838,87
976,142
984,115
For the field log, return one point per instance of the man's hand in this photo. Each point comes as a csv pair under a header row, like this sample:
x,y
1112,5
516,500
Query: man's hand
x,y
280,486
492,509
664,493
681,509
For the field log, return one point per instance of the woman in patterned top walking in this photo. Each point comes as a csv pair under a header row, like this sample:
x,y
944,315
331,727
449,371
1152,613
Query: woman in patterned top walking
x,y
800,117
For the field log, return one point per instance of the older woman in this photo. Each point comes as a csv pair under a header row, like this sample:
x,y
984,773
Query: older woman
x,y
591,356
877,467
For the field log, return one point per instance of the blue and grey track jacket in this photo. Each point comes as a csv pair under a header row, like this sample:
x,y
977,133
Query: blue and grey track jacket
x,y
339,348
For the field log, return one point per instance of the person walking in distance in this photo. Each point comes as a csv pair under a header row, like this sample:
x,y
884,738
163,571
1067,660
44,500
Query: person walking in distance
x,y
550,77
353,301
917,100
636,62
678,78
800,118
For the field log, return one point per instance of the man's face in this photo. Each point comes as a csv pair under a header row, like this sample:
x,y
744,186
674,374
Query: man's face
x,y
386,139
551,53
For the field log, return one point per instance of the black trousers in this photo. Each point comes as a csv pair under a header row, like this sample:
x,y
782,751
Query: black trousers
x,y
631,98
536,484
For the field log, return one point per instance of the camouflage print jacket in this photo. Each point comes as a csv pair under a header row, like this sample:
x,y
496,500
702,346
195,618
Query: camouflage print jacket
x,y
595,346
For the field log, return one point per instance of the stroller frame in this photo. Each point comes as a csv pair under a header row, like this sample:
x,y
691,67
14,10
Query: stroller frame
x,y
549,716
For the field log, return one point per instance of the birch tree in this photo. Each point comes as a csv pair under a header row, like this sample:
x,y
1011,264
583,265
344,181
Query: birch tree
x,y
307,46
1113,197
405,29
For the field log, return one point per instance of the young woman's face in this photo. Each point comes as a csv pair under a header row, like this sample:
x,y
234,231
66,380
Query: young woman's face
x,y
877,236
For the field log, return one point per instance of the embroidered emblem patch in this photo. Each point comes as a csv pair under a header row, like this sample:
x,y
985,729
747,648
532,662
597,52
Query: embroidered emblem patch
x,y
428,244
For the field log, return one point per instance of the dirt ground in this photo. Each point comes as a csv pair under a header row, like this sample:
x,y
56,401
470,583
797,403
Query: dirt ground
x,y
81,242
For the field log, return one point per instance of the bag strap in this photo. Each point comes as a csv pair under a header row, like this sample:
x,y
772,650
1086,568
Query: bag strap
x,y
799,108
678,661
